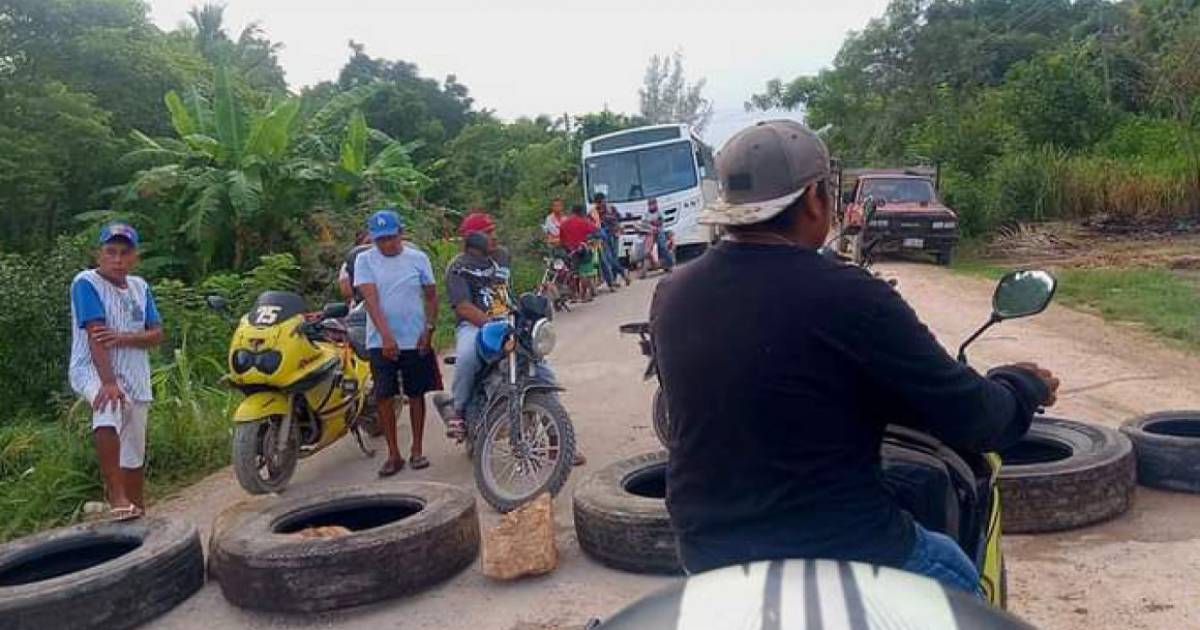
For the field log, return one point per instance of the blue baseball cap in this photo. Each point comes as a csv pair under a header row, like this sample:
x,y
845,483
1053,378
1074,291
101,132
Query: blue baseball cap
x,y
385,223
118,230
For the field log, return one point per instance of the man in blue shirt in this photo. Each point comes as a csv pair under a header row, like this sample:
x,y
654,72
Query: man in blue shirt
x,y
114,324
396,281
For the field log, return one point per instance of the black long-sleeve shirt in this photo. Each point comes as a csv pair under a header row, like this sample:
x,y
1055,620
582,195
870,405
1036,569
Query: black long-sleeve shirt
x,y
781,369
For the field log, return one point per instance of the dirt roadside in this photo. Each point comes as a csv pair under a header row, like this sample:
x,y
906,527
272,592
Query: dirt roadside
x,y
1135,572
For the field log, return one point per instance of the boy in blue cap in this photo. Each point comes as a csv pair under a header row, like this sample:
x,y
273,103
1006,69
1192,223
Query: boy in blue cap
x,y
396,282
114,324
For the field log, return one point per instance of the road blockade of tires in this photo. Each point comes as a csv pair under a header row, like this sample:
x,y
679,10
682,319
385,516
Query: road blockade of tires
x,y
1065,474
105,575
621,516
1167,444
346,547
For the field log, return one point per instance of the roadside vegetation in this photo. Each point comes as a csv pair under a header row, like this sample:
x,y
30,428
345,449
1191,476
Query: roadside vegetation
x,y
236,185
1034,109
1083,111
1145,292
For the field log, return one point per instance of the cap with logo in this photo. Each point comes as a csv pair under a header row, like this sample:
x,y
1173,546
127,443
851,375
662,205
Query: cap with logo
x,y
384,223
763,168
118,230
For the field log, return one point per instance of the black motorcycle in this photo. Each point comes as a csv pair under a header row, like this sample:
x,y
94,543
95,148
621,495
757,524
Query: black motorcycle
x,y
518,433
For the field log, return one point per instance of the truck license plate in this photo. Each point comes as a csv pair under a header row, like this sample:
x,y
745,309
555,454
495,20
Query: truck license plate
x,y
914,242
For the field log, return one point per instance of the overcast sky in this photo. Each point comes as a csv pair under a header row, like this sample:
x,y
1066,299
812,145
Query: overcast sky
x,y
553,56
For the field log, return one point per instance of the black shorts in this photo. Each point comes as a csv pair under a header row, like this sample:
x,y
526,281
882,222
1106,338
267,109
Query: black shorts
x,y
418,372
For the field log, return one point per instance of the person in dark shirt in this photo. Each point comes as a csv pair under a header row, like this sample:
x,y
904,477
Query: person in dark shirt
x,y
781,368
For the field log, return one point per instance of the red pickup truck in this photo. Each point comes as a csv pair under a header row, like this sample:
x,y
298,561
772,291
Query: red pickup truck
x,y
909,217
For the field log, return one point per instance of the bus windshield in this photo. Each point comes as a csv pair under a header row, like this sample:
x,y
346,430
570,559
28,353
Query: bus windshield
x,y
635,175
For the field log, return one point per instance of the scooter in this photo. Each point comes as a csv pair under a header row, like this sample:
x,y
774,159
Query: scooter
x,y
307,381
519,435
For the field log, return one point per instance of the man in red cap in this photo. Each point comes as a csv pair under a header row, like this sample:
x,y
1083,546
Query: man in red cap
x,y
477,287
478,221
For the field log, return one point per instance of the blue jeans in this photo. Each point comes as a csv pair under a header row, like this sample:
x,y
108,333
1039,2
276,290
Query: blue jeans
x,y
937,556
608,261
467,366
664,254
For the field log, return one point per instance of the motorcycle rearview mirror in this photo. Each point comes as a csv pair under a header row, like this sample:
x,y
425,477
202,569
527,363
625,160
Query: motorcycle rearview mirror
x,y
335,310
1018,294
217,303
1023,293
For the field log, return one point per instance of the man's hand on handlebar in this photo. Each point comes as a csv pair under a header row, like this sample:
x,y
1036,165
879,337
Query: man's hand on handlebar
x,y
1048,379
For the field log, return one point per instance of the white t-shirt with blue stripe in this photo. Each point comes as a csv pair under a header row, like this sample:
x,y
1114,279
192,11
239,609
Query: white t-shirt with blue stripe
x,y
129,309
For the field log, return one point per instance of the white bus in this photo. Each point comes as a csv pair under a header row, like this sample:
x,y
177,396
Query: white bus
x,y
663,165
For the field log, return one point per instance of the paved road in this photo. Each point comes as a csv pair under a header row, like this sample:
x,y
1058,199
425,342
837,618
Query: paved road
x,y
1136,572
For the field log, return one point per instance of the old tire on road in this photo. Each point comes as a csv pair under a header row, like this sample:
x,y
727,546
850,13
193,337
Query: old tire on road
x,y
1065,474
403,538
621,516
99,575
1168,449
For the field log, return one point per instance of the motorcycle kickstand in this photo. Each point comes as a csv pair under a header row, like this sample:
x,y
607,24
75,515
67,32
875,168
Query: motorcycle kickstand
x,y
369,452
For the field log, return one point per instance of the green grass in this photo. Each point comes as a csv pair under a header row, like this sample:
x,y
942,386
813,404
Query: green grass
x,y
1164,303
48,468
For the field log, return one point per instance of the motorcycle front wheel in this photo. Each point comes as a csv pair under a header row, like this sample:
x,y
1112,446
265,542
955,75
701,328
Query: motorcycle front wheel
x,y
662,424
508,476
262,464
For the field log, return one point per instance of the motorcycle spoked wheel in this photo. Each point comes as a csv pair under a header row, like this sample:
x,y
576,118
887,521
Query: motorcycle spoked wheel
x,y
508,479
662,424
261,465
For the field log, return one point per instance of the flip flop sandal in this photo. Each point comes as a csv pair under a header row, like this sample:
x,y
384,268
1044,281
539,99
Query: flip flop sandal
x,y
456,429
391,467
418,462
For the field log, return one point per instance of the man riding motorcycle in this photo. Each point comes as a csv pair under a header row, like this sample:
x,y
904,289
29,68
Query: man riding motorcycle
x,y
477,287
781,368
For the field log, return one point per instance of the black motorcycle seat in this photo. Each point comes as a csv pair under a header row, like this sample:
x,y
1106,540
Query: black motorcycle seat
x,y
356,329
922,485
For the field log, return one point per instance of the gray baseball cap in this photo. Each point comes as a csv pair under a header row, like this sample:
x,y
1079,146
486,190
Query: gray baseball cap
x,y
764,168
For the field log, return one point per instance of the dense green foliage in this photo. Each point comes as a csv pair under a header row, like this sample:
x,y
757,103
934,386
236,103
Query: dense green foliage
x,y
236,186
1034,108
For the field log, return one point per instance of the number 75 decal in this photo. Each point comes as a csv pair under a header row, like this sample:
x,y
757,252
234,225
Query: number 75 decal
x,y
266,315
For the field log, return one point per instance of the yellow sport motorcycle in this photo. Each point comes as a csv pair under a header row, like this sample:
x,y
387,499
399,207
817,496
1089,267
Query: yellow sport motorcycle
x,y
307,383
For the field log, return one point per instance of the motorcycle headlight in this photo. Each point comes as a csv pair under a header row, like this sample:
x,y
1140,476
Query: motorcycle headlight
x,y
559,265
269,361
544,337
242,360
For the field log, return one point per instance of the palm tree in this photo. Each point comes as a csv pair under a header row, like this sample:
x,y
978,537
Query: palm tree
x,y
233,183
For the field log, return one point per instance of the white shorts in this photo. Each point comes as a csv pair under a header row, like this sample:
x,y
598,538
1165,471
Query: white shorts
x,y
130,423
